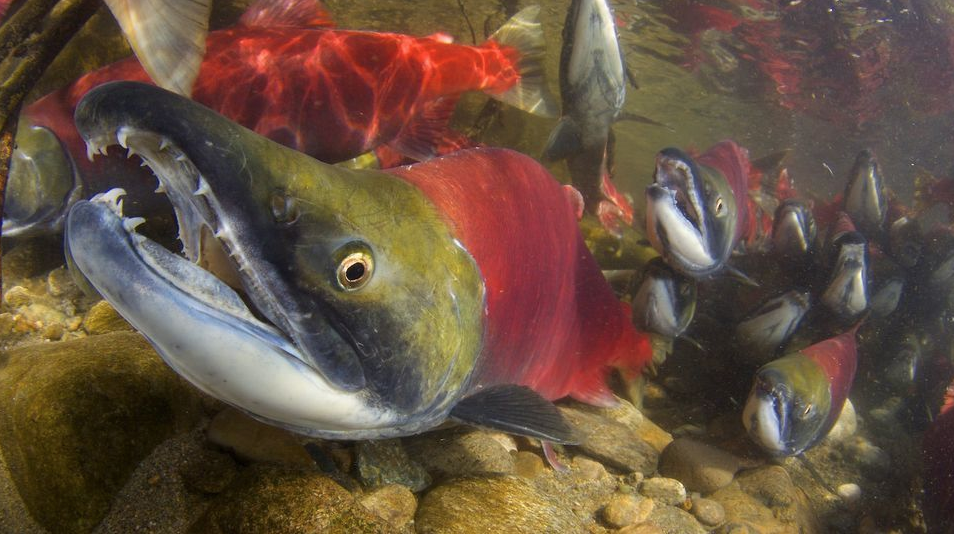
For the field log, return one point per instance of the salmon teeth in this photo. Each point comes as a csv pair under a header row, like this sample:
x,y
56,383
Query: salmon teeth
x,y
113,199
131,224
203,188
121,135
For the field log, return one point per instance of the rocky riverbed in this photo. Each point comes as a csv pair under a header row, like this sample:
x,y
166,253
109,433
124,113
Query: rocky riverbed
x,y
98,435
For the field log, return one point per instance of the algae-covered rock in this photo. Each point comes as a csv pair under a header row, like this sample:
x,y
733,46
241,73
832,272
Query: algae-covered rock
x,y
460,451
383,462
765,500
77,416
289,501
493,504
103,318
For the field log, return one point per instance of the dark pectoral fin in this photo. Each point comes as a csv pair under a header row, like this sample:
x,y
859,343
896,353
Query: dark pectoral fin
x,y
516,410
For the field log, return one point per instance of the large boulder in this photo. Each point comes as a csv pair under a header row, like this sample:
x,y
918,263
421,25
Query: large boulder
x,y
76,417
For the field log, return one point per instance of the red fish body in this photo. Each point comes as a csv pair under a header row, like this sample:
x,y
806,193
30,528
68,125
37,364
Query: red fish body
x,y
333,94
554,323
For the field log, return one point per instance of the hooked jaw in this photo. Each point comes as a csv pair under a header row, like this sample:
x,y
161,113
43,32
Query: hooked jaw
x,y
204,331
206,187
676,237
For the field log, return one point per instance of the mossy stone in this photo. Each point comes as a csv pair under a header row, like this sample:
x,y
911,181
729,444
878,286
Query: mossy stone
x,y
286,500
493,504
76,417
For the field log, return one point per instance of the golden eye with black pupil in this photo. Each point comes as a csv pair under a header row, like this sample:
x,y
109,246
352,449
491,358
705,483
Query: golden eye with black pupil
x,y
355,270
284,208
719,208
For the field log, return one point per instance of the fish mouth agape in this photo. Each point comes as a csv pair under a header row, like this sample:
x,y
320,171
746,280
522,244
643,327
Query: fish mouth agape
x,y
674,235
167,296
318,254
204,166
678,173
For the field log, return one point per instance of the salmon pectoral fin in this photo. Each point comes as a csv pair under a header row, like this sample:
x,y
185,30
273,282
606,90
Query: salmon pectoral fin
x,y
515,410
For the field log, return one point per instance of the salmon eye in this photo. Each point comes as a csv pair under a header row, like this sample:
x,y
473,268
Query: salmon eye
x,y
355,270
719,207
808,410
284,208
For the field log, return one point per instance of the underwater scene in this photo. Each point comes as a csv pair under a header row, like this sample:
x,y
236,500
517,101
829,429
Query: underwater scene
x,y
453,266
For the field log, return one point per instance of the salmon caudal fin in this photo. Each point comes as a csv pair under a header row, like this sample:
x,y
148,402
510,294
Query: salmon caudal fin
x,y
525,33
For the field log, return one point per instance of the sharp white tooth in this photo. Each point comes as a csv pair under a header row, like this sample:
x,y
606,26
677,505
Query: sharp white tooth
x,y
90,150
121,137
130,152
164,143
219,234
139,238
181,157
131,224
143,163
160,188
203,188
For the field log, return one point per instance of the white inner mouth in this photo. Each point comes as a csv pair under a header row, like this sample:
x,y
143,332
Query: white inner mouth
x,y
684,239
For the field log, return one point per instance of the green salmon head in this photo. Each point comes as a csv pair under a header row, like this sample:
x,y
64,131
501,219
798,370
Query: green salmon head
x,y
789,405
376,304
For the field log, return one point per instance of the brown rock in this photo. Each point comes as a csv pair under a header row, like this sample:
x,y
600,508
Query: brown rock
x,y
624,509
254,441
273,499
76,417
103,318
460,451
613,443
700,467
393,503
766,500
528,465
493,504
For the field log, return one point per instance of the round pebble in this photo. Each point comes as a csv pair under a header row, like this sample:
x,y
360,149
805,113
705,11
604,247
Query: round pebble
x,y
665,490
587,469
625,509
528,464
708,512
850,493
53,332
18,297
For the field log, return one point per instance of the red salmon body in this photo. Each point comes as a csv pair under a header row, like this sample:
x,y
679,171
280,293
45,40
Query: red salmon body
x,y
553,322
333,94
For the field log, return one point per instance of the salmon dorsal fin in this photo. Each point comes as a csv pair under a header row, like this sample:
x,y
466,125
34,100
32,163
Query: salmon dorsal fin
x,y
167,37
287,14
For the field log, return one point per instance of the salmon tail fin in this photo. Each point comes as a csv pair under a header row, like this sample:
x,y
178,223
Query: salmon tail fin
x,y
167,37
524,33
